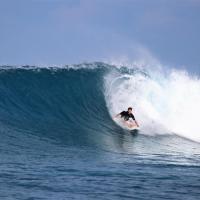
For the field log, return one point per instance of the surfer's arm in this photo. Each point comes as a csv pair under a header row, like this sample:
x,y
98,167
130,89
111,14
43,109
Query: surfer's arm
x,y
136,123
117,115
134,120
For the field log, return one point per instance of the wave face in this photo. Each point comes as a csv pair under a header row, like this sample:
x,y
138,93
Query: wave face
x,y
59,141
75,101
60,103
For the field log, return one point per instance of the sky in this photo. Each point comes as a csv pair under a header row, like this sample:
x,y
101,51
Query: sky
x,y
73,31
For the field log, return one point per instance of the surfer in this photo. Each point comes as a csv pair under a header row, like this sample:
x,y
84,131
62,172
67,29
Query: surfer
x,y
127,115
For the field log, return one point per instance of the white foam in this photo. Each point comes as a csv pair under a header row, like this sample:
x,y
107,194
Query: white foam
x,y
163,103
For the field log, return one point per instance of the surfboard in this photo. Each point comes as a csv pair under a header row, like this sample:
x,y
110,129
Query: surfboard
x,y
134,128
120,122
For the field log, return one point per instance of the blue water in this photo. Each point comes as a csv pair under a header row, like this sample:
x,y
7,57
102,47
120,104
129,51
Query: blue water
x,y
58,141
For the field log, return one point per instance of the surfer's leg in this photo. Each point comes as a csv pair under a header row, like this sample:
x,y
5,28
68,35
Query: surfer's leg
x,y
132,124
127,123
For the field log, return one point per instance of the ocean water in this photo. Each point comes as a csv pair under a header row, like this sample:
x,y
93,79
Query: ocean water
x,y
59,141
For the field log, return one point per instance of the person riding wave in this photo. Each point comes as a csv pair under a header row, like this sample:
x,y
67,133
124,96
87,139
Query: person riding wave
x,y
127,115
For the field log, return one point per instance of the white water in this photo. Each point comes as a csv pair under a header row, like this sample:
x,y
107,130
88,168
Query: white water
x,y
163,103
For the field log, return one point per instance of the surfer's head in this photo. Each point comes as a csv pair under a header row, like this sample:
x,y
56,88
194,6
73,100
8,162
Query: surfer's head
x,y
130,109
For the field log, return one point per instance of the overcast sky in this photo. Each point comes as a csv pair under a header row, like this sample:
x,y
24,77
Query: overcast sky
x,y
73,31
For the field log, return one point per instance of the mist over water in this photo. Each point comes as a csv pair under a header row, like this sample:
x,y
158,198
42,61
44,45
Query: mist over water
x,y
58,138
164,102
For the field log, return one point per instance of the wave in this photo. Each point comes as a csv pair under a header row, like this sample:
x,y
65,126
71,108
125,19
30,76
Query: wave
x,y
77,102
164,102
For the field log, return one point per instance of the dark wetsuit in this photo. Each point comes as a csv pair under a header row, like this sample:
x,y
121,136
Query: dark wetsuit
x,y
126,115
